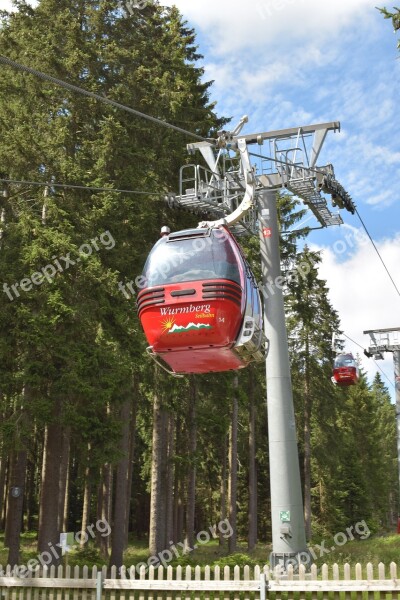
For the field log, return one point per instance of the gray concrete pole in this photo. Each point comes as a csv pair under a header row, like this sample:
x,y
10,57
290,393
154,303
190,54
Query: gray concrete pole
x,y
287,516
396,361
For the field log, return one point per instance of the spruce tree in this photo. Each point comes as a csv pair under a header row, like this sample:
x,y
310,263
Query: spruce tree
x,y
74,338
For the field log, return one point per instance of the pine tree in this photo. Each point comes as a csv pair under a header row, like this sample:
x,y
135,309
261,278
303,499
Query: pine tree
x,y
75,334
311,320
385,502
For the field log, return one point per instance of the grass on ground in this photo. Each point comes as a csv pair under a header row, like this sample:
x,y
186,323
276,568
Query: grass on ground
x,y
378,548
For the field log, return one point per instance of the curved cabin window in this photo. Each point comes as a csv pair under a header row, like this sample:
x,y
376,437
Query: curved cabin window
x,y
345,360
192,258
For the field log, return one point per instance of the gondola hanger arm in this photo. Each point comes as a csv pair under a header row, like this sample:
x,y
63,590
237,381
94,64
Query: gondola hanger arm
x,y
226,138
250,189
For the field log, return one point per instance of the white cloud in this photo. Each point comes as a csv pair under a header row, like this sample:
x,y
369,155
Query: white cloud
x,y
382,199
367,163
234,24
361,292
7,4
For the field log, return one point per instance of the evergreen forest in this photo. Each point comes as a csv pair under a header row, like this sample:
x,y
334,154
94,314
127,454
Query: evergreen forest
x,y
90,428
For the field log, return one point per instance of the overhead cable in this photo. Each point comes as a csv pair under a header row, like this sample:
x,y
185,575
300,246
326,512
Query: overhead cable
x,y
79,187
378,253
74,88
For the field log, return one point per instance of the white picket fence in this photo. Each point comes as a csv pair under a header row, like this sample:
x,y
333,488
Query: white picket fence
x,y
207,583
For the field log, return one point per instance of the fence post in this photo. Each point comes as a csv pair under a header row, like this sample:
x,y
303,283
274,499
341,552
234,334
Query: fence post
x,y
263,587
99,586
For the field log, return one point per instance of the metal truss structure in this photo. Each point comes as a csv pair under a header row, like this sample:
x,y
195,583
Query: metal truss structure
x,y
383,340
235,172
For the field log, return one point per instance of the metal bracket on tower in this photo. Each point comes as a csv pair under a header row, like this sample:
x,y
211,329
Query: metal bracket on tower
x,y
226,138
250,187
225,188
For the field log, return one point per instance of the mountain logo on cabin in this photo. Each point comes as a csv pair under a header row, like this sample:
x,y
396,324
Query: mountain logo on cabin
x,y
189,327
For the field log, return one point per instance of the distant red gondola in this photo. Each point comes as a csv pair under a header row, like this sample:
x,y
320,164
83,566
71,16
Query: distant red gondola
x,y
201,309
345,370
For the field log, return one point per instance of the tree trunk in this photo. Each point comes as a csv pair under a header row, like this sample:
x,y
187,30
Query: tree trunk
x,y
132,441
65,517
191,485
30,494
307,450
170,480
49,533
164,475
232,481
104,505
223,488
3,488
86,499
178,488
252,537
3,469
33,479
104,509
64,480
157,529
177,535
15,504
121,510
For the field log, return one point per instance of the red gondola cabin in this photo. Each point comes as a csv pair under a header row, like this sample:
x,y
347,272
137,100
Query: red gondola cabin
x,y
345,370
201,309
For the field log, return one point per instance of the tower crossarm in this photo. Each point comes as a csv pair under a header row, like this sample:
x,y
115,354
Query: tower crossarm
x,y
227,184
383,340
319,131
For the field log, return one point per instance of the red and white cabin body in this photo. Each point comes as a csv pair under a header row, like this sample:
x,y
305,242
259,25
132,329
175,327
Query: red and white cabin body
x,y
201,309
345,370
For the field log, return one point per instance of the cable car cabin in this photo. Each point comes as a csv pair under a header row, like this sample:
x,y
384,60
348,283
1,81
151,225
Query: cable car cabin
x,y
201,308
345,370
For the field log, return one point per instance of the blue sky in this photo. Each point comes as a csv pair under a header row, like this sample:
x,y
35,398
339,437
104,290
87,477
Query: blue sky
x,y
287,63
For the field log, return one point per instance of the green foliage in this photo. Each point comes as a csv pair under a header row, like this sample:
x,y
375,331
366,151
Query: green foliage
x,y
394,16
72,349
75,339
237,558
88,555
